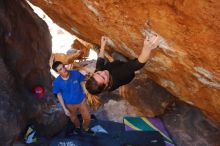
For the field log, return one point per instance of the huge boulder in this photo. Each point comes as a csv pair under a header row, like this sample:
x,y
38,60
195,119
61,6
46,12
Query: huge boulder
x,y
187,63
25,49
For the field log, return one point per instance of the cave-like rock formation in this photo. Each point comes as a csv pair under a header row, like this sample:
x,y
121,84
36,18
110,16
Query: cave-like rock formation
x,y
150,98
187,63
25,49
25,44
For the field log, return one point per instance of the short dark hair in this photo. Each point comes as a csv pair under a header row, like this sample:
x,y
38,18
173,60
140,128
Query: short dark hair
x,y
93,87
55,64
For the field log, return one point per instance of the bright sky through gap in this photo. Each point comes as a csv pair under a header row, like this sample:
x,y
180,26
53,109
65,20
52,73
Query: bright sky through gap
x,y
61,39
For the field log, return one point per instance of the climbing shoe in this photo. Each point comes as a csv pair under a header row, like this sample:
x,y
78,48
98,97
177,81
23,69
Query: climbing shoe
x,y
76,131
88,131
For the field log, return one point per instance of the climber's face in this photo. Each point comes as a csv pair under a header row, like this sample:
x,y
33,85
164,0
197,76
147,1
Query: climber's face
x,y
101,77
61,69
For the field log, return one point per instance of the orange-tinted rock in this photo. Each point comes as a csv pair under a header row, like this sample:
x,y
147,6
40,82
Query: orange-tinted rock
x,y
78,45
187,63
66,58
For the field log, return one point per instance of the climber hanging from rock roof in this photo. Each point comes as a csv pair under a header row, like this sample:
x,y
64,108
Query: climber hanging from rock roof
x,y
111,75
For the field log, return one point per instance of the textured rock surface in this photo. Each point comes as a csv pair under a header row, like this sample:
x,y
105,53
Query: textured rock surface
x,y
189,127
10,111
150,98
25,48
188,67
26,44
80,46
66,58
116,110
188,62
78,51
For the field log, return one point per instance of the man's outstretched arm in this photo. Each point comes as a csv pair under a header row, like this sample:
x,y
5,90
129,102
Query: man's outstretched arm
x,y
102,49
100,61
149,45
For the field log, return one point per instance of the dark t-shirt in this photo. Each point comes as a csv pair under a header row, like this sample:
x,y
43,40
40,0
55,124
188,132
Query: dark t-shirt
x,y
120,72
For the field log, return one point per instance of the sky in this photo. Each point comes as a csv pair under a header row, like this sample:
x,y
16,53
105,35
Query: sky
x,y
61,39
